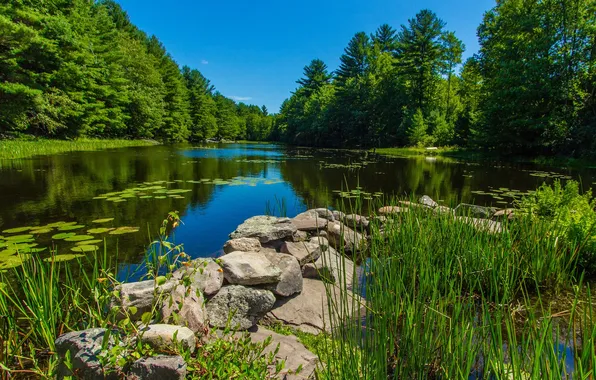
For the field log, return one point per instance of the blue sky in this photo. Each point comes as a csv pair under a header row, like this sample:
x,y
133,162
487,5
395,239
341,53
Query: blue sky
x,y
255,50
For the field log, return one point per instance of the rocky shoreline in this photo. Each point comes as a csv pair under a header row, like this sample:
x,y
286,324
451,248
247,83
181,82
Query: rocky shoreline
x,y
274,270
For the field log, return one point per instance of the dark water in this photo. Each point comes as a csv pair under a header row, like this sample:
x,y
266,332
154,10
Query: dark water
x,y
229,183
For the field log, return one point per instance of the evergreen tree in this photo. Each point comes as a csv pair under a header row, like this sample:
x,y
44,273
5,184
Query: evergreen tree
x,y
385,39
315,76
417,134
354,61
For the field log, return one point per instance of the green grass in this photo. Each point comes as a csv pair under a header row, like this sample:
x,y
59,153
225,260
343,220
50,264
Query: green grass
x,y
447,301
15,149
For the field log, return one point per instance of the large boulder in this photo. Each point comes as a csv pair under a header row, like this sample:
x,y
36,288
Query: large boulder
x,y
392,210
309,310
331,267
242,245
249,268
307,222
356,222
427,201
204,274
139,297
163,337
185,307
290,350
265,228
474,211
344,238
290,281
304,252
85,348
246,306
482,225
160,367
504,214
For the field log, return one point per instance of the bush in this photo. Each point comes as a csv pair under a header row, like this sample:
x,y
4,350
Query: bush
x,y
571,214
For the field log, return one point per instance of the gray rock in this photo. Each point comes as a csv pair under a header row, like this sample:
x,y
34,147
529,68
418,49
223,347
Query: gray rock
x,y
505,214
304,252
290,281
392,210
338,216
204,274
309,223
185,307
249,268
482,225
300,236
357,222
142,295
246,306
443,210
331,267
427,201
161,337
309,310
474,211
294,353
161,367
344,238
265,228
85,348
242,245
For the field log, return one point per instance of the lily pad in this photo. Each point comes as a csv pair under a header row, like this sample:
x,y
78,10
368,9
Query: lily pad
x,y
115,199
90,242
84,248
71,228
15,238
104,220
79,238
42,231
16,230
160,197
64,235
56,224
12,261
65,257
146,197
99,197
99,230
124,230
119,201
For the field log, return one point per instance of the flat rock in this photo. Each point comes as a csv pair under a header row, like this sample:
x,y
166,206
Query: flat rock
x,y
294,353
308,311
142,295
356,222
204,274
474,211
161,337
245,305
443,210
185,307
307,223
392,210
290,281
482,225
300,236
85,347
508,213
304,252
265,228
244,244
160,367
331,267
344,238
249,268
427,201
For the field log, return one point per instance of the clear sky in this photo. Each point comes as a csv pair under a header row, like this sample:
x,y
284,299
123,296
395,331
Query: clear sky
x,y
255,50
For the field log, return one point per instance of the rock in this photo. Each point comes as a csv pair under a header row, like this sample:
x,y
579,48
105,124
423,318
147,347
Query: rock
x,y
338,216
242,245
308,223
331,267
427,201
508,213
295,354
185,307
246,306
409,204
249,268
304,252
443,210
142,295
482,225
85,348
357,222
161,337
290,281
392,210
265,228
344,238
204,274
161,367
309,310
474,211
323,234
300,236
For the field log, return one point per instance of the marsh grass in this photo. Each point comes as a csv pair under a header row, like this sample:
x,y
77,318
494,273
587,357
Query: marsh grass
x,y
16,149
448,301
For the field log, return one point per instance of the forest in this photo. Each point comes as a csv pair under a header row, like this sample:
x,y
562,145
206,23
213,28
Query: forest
x,y
79,68
82,69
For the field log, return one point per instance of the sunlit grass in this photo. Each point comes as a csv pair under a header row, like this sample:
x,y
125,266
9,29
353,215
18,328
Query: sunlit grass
x,y
15,149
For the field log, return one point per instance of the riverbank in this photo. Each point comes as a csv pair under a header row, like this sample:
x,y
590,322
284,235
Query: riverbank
x,y
17,148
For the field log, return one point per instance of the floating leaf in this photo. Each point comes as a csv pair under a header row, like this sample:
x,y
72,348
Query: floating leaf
x,y
15,238
56,224
63,235
12,261
17,230
85,248
146,197
100,197
160,197
65,257
42,231
71,228
115,199
79,238
124,230
99,230
119,201
104,220
89,242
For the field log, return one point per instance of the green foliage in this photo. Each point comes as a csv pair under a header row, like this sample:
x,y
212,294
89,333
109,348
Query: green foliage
x,y
417,134
571,214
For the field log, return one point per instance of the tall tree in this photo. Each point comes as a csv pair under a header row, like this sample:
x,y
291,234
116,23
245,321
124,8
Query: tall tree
x,y
316,76
385,39
354,61
453,49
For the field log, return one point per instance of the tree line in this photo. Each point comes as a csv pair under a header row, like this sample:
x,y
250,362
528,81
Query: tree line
x,y
530,89
71,68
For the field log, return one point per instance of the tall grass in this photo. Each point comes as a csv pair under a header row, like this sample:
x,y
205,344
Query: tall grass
x,y
446,300
15,149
